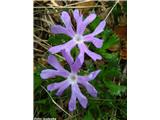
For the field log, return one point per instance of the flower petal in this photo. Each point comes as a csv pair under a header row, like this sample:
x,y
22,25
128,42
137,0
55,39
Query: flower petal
x,y
67,21
72,102
90,77
58,29
91,90
76,66
89,19
96,41
93,74
56,49
80,27
69,45
79,20
55,86
62,88
83,24
93,55
81,98
81,53
66,46
48,73
68,57
64,73
99,28
76,14
54,62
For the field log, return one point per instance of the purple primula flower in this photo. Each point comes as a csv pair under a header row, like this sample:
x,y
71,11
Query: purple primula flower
x,y
71,78
77,37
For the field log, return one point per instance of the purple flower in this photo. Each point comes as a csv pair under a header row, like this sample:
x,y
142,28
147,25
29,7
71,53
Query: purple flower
x,y
71,78
77,37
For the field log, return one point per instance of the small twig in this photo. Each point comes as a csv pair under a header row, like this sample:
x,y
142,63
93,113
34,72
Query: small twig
x,y
111,10
55,102
44,41
42,45
43,20
78,3
54,3
38,50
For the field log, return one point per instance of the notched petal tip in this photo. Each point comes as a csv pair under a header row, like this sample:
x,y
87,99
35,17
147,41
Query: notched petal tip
x,y
93,92
94,74
72,104
84,102
76,11
99,57
64,13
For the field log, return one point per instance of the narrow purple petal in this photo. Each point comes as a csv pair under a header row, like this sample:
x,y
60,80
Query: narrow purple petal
x,y
66,46
89,19
48,73
64,73
99,28
69,45
93,74
90,89
58,29
81,25
93,55
76,66
54,62
81,98
72,102
90,77
56,49
62,88
67,21
81,53
68,57
55,86
96,41
79,20
67,52
76,14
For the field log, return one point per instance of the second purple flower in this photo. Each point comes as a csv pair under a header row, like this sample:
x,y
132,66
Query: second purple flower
x,y
71,79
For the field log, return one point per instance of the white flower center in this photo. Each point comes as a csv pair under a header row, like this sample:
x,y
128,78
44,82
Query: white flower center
x,y
78,38
72,78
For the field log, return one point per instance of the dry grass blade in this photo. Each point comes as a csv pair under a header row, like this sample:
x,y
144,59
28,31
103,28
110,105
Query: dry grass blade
x,y
112,9
56,103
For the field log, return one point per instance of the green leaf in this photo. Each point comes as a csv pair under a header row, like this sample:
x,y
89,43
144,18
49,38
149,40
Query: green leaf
x,y
37,81
43,101
53,111
88,116
110,42
114,89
